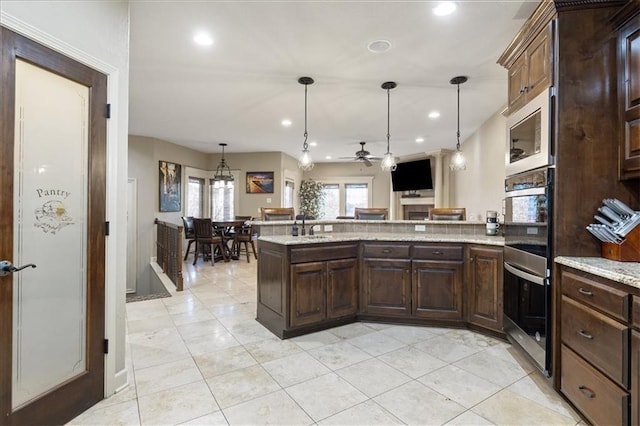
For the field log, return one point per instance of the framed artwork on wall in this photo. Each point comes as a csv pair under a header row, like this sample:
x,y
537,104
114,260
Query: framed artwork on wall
x,y
170,183
259,182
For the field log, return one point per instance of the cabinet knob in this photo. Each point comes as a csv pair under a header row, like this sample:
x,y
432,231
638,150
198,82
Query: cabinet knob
x,y
471,259
386,251
523,89
585,292
437,253
585,334
586,391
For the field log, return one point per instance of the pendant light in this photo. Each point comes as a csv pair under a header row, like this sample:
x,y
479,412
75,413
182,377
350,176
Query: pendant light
x,y
304,161
388,163
222,176
458,162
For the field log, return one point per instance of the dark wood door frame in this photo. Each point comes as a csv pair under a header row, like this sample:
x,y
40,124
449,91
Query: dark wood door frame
x,y
71,398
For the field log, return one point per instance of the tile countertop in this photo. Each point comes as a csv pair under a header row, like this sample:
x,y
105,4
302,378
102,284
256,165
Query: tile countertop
x,y
623,272
347,236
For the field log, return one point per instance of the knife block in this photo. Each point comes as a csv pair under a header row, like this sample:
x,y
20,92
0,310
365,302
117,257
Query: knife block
x,y
627,251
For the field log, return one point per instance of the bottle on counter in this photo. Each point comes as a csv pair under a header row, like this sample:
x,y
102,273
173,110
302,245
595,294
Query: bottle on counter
x,y
294,229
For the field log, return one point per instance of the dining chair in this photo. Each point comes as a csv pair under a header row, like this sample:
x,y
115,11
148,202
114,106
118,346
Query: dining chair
x,y
244,236
189,233
206,242
373,213
448,213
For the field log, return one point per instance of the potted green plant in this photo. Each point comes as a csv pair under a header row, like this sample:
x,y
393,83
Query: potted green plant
x,y
311,198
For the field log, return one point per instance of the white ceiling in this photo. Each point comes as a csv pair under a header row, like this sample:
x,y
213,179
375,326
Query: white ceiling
x,y
239,89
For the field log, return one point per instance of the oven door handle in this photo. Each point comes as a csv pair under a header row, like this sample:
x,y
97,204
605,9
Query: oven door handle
x,y
524,275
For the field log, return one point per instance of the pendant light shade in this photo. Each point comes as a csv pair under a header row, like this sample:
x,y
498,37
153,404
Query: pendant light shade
x,y
305,162
388,163
458,162
223,177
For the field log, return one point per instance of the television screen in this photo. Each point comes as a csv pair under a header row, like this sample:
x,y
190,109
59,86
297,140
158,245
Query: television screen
x,y
412,176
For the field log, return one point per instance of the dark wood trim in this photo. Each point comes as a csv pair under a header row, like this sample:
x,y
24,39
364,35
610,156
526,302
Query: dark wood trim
x,y
628,11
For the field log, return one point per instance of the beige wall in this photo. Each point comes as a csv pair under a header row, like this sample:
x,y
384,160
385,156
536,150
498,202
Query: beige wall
x,y
481,186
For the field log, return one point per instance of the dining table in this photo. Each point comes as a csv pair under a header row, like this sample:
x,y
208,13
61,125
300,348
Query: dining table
x,y
227,230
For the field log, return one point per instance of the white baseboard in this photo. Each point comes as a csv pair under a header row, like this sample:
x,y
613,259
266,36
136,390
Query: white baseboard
x,y
164,279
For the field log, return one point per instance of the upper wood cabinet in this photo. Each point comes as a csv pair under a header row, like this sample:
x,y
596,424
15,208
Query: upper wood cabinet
x,y
530,73
629,95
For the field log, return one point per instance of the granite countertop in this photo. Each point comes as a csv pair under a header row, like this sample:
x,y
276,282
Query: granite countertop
x,y
360,221
623,272
347,236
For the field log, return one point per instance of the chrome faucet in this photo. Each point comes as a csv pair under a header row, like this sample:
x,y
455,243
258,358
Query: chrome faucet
x,y
303,231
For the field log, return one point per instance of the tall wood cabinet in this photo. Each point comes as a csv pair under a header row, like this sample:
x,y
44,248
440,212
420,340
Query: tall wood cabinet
x,y
485,281
629,92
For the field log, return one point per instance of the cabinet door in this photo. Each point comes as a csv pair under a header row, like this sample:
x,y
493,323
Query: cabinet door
x,y
342,288
635,377
485,286
517,83
387,287
629,83
538,65
437,289
308,293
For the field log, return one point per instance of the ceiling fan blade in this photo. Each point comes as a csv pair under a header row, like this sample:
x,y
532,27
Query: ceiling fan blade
x,y
366,162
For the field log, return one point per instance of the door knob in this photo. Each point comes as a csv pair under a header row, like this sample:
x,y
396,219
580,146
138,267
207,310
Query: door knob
x,y
7,268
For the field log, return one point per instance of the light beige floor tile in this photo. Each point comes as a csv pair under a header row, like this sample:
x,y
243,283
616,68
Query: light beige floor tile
x,y
377,326
373,377
201,329
408,334
295,368
177,405
250,331
146,309
325,396
508,408
192,316
147,356
538,389
350,331
469,418
376,343
274,409
150,324
416,404
224,361
461,386
272,348
124,413
213,419
127,394
206,344
315,340
165,376
494,369
339,355
365,414
449,349
412,362
241,385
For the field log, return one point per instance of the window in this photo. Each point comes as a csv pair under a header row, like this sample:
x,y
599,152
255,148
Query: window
x,y
356,195
288,193
343,194
222,201
195,197
331,207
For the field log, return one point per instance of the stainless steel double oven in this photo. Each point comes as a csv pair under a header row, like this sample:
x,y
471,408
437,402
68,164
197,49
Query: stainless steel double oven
x,y
527,263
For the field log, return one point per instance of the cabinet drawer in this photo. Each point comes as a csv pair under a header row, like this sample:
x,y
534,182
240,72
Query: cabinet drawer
x,y
599,339
598,398
437,252
318,254
387,251
596,294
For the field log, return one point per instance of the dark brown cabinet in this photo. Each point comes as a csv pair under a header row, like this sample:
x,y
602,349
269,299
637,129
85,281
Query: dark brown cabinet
x,y
386,287
437,272
485,279
323,290
635,377
530,73
629,98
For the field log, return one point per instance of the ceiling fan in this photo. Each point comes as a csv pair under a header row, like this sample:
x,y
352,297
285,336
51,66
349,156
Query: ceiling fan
x,y
363,155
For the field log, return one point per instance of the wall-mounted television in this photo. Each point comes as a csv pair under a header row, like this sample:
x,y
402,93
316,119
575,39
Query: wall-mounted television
x,y
412,176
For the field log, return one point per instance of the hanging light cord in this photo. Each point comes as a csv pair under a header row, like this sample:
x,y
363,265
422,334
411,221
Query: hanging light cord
x,y
305,145
388,118
458,134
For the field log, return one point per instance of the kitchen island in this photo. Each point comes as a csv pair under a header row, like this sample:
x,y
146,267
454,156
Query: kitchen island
x,y
412,272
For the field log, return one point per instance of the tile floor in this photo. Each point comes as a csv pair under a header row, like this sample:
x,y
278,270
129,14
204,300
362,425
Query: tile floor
x,y
200,358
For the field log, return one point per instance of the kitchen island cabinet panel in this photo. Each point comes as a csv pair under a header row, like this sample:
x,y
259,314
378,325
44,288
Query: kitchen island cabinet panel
x,y
386,287
342,288
437,289
484,280
308,293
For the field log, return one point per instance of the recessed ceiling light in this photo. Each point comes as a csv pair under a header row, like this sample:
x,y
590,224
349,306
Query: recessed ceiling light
x,y
328,157
434,114
314,143
445,8
378,46
419,140
203,39
286,122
